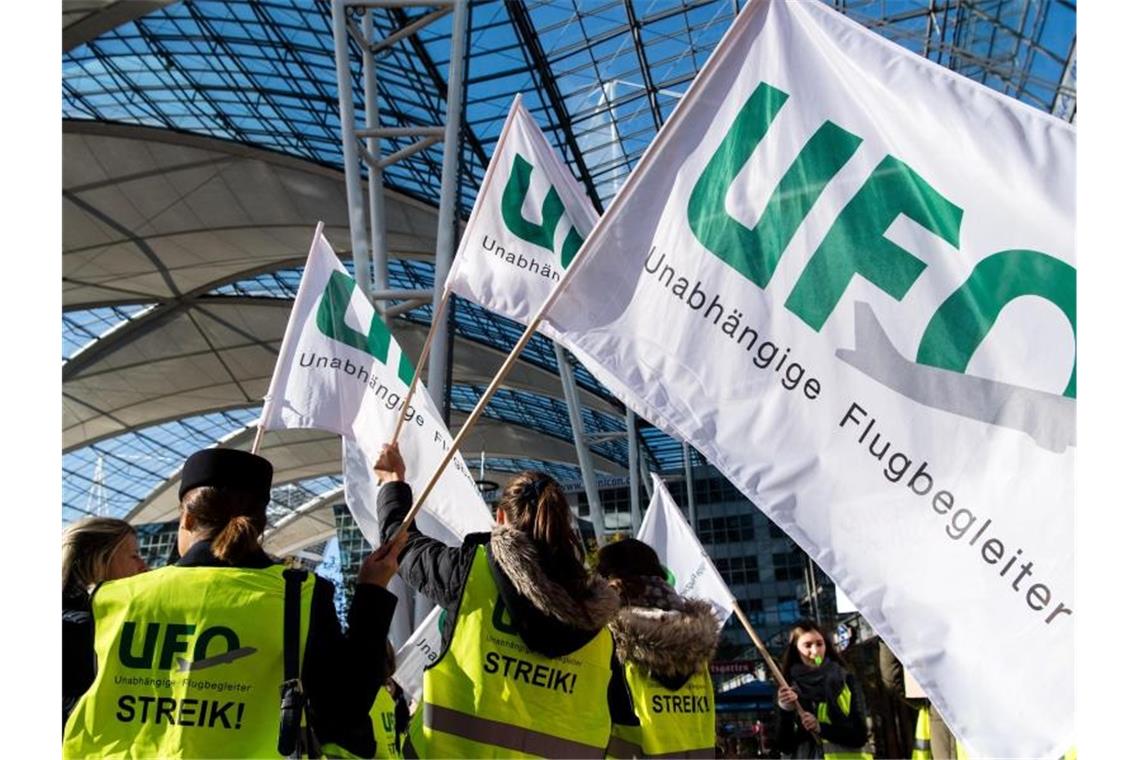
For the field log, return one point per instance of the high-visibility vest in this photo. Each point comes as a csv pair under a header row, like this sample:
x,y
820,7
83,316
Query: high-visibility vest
x,y
832,751
490,695
674,722
190,664
383,715
922,748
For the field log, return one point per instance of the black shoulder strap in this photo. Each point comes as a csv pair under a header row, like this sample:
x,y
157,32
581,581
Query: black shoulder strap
x,y
292,694
292,640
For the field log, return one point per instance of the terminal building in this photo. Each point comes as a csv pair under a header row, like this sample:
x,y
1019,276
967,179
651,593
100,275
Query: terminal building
x,y
202,142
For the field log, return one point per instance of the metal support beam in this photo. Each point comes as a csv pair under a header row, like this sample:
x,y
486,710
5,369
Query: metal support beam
x,y
689,495
643,64
634,495
399,3
411,28
399,294
439,360
377,214
383,162
375,131
585,461
402,308
353,190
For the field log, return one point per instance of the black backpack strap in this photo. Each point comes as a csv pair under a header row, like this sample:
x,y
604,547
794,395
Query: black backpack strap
x,y
290,732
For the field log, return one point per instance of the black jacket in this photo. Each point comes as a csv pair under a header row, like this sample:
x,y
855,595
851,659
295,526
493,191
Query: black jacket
x,y
440,572
816,686
78,648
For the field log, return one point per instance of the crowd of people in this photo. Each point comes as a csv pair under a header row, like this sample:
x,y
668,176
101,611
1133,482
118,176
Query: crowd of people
x,y
231,653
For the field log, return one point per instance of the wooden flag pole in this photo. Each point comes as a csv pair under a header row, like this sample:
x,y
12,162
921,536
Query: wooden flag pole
x,y
435,320
257,438
772,667
496,381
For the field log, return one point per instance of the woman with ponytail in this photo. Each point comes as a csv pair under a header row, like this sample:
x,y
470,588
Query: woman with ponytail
x,y
227,653
527,665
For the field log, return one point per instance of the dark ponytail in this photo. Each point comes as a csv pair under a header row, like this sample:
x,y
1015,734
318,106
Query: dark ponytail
x,y
535,504
232,519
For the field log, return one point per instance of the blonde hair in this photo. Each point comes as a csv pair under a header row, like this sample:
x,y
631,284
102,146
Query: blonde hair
x,y
88,547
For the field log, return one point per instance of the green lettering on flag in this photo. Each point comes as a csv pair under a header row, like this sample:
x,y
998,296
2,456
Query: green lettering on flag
x,y
755,252
855,243
966,316
514,194
542,235
330,321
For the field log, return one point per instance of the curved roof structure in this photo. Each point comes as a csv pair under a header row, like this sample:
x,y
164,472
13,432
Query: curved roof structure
x,y
202,143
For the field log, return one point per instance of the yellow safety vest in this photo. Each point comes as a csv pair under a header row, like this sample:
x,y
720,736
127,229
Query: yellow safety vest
x,y
490,695
922,748
832,751
674,723
190,665
383,715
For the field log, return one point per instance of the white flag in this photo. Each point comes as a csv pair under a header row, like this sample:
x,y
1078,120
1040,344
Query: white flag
x,y
420,650
847,276
340,370
680,551
528,222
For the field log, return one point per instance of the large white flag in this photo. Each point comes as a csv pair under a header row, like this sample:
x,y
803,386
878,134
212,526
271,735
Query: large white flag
x,y
340,370
847,276
528,222
680,551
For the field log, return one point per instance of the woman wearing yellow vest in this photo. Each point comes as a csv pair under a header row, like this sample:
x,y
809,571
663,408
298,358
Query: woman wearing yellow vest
x,y
192,656
835,727
527,666
664,642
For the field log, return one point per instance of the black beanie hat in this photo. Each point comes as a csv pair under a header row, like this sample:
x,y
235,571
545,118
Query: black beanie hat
x,y
227,468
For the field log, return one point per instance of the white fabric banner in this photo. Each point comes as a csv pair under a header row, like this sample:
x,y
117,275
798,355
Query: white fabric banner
x,y
528,222
680,551
420,650
340,370
847,276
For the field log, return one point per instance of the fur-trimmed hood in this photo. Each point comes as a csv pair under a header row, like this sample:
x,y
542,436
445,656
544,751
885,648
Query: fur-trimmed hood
x,y
547,615
669,635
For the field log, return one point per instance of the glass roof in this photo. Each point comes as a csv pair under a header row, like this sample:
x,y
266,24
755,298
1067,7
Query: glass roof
x,y
599,76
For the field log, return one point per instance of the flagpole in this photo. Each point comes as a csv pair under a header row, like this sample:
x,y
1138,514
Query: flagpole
x,y
616,207
496,381
435,320
772,667
257,438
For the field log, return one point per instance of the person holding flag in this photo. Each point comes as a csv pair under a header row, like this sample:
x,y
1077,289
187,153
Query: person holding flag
x,y
527,664
835,726
665,642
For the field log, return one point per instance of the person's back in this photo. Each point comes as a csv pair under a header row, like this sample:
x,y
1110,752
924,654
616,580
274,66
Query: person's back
x,y
192,656
664,642
527,666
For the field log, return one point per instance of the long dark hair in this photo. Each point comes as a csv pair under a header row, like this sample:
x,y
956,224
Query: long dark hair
x,y
792,655
233,519
535,504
